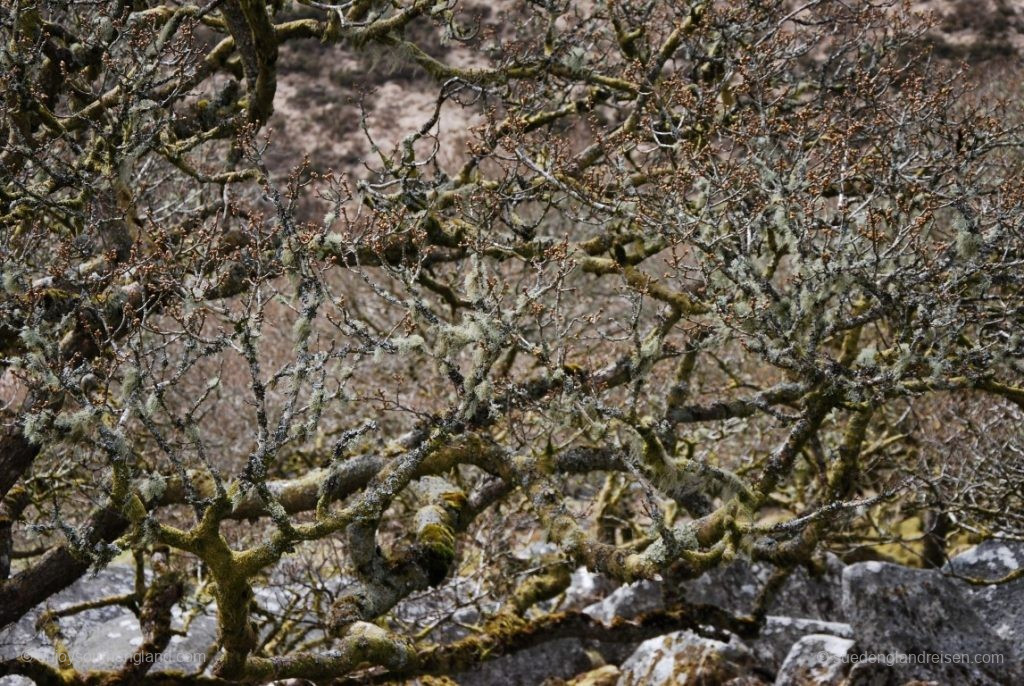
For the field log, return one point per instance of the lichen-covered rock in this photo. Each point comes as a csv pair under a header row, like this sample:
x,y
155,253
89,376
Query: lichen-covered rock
x,y
816,660
1000,605
629,601
449,609
104,637
928,617
812,594
107,645
735,587
586,588
779,634
23,637
683,658
989,560
803,605
559,659
808,602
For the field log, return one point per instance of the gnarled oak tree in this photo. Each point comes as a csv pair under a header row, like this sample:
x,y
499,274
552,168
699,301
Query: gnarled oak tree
x,y
661,282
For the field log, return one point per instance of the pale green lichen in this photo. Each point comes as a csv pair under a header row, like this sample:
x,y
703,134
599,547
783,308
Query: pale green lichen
x,y
302,329
149,407
10,280
316,400
32,338
867,357
968,244
453,338
332,244
76,425
406,344
483,391
474,279
152,488
36,426
130,381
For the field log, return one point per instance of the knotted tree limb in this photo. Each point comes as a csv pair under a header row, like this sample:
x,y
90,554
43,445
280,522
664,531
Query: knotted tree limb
x,y
11,507
256,41
384,580
513,634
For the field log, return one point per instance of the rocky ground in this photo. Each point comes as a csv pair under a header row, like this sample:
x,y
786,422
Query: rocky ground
x,y
838,627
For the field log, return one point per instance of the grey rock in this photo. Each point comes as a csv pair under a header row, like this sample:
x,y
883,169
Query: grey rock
x,y
989,560
22,637
816,595
732,587
198,643
108,644
536,551
921,617
449,609
629,601
102,638
1000,605
559,659
735,587
780,634
586,588
803,605
816,660
683,658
